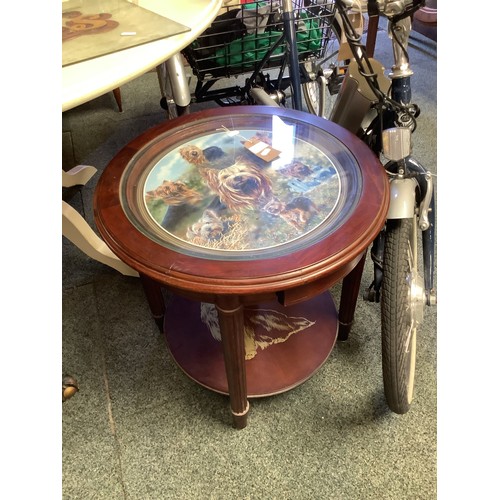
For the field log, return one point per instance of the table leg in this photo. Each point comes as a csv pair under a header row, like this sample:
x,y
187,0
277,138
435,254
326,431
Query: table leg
x,y
371,36
76,229
348,298
118,98
231,322
156,301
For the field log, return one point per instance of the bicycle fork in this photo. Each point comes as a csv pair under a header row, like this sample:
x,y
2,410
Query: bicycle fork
x,y
411,186
174,84
411,195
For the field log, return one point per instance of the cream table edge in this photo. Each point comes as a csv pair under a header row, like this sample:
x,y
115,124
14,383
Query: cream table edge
x,y
84,81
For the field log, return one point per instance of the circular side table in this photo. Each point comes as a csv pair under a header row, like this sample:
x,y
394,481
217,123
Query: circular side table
x,y
248,215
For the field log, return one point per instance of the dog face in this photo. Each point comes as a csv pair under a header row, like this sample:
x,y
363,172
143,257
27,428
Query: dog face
x,y
274,206
208,228
298,212
201,233
243,186
193,154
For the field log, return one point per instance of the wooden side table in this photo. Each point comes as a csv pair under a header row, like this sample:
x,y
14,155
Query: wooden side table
x,y
248,215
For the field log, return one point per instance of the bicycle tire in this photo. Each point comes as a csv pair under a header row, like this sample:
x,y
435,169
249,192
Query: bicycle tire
x,y
400,313
326,66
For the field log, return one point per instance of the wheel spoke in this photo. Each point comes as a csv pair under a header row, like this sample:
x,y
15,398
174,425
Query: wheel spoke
x,y
409,335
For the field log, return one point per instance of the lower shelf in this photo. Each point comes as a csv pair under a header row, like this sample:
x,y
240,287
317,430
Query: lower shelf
x,y
284,345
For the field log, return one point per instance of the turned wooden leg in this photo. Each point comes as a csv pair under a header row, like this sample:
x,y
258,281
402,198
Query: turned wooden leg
x,y
118,98
371,36
348,298
230,311
154,296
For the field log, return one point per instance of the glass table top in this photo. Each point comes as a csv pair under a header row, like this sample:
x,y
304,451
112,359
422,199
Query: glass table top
x,y
241,187
92,28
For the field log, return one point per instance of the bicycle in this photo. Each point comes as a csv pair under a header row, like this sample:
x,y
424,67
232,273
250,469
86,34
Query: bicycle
x,y
379,110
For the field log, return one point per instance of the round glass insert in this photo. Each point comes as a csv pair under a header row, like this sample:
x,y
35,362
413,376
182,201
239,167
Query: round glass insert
x,y
234,190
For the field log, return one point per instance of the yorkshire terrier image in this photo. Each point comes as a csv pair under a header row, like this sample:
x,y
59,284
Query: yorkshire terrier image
x,y
297,212
243,186
239,186
274,206
174,193
210,227
198,156
296,169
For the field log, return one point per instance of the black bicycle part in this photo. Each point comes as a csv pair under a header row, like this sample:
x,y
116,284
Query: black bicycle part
x,y
399,318
293,53
372,293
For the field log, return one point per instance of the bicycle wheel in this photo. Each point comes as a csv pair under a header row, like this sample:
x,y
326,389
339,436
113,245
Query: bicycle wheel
x,y
324,75
402,304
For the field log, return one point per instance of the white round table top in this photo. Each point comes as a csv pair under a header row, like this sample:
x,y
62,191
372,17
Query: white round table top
x,y
89,79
